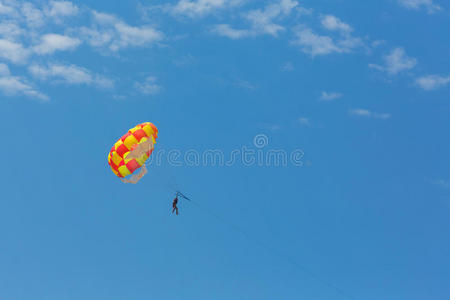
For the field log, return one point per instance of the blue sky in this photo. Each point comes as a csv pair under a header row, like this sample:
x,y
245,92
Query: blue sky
x,y
359,88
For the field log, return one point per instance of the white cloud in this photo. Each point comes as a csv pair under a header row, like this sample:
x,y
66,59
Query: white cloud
x,y
104,18
59,9
134,36
262,21
33,16
314,44
330,96
97,38
14,85
36,17
200,8
365,113
70,74
432,82
8,10
396,62
418,4
302,11
10,30
334,24
349,43
4,70
149,86
13,52
114,34
227,31
56,42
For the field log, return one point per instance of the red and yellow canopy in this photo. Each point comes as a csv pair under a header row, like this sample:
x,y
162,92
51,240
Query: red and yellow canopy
x,y
117,158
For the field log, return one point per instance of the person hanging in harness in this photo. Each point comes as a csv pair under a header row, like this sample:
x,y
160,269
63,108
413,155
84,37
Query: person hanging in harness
x,y
175,201
174,205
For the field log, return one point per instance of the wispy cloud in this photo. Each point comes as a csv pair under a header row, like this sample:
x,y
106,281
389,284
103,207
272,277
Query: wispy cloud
x,y
333,23
22,24
51,43
10,31
303,11
110,32
59,9
4,70
365,113
29,29
8,9
341,40
396,62
13,51
314,44
329,96
34,17
69,74
262,21
432,82
200,8
429,5
149,86
227,31
15,85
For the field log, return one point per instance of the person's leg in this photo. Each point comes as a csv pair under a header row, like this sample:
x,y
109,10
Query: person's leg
x,y
176,209
173,209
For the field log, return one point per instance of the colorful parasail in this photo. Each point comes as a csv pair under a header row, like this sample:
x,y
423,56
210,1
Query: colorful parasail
x,y
128,155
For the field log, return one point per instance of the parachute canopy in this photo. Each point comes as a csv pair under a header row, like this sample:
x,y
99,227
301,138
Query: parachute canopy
x,y
131,151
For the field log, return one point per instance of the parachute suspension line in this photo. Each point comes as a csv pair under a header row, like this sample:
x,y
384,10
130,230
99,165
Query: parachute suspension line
x,y
180,194
270,249
164,171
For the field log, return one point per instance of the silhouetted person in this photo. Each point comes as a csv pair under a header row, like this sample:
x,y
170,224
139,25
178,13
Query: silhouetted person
x,y
174,205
